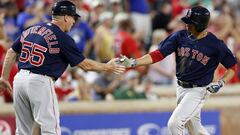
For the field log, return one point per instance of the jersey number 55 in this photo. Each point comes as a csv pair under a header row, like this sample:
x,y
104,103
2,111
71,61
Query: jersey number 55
x,y
33,53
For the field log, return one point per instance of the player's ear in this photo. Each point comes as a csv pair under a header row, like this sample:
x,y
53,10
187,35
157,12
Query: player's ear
x,y
65,18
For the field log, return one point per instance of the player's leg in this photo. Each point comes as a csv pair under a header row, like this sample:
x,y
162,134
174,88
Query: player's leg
x,y
24,118
44,104
191,102
195,126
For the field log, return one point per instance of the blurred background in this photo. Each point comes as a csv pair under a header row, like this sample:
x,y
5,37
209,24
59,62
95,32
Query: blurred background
x,y
140,101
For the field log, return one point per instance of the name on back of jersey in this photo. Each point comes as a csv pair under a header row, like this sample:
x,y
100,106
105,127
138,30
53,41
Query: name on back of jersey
x,y
47,34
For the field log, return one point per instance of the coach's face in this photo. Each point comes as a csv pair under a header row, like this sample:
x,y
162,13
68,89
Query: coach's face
x,y
69,22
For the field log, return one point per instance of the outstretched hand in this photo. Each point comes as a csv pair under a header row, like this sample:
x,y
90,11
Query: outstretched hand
x,y
128,63
5,85
116,68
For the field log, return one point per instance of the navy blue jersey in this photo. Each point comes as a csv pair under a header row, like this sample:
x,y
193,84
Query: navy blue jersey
x,y
45,49
196,60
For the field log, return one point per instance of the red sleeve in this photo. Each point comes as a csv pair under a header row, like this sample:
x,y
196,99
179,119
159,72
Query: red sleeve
x,y
156,56
234,67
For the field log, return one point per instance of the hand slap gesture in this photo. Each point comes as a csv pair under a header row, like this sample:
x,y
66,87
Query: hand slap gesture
x,y
115,67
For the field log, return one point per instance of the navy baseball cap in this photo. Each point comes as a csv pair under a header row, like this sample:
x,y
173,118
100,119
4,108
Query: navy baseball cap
x,y
186,19
196,15
65,7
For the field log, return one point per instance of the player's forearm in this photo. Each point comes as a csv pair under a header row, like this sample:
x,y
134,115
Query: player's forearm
x,y
90,65
228,75
9,60
144,60
147,59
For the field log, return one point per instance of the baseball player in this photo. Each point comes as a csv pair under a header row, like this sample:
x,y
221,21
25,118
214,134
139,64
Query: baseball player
x,y
198,54
45,51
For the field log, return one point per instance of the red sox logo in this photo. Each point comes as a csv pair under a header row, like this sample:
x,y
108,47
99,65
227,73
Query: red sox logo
x,y
4,128
194,54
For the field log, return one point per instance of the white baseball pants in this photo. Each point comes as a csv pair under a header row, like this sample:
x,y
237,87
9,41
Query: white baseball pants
x,y
187,113
35,101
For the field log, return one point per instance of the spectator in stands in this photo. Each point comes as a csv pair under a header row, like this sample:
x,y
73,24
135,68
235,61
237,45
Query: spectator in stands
x,y
63,86
129,90
116,6
10,24
81,87
104,39
82,34
147,89
236,29
218,4
163,17
125,43
178,6
33,14
2,32
140,15
106,84
221,22
235,4
97,9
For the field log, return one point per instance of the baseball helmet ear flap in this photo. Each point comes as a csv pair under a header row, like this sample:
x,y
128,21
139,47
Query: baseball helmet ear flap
x,y
197,16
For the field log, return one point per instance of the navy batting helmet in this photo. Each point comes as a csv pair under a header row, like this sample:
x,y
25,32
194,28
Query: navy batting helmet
x,y
64,7
197,16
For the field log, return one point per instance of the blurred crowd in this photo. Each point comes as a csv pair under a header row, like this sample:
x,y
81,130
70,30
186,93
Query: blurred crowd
x,y
108,28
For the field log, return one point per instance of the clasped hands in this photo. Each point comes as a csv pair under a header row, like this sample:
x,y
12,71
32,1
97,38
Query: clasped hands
x,y
127,62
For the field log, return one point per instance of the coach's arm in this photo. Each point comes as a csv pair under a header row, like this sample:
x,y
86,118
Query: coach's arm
x,y
111,66
9,60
